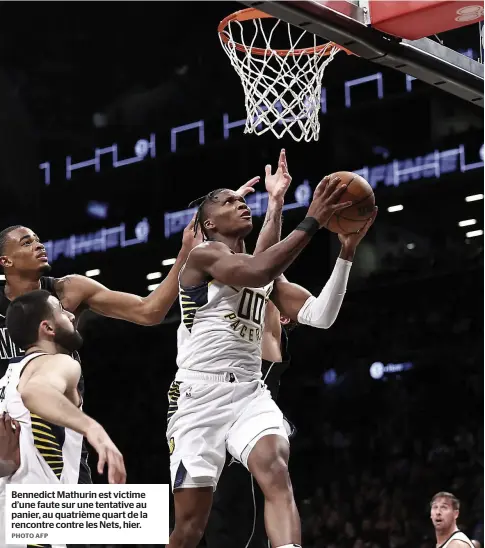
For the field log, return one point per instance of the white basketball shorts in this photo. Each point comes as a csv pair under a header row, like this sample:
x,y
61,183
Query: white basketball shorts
x,y
209,413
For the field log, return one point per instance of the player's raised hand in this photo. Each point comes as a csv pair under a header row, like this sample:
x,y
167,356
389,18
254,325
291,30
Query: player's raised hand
x,y
247,188
108,454
351,241
326,200
277,184
189,238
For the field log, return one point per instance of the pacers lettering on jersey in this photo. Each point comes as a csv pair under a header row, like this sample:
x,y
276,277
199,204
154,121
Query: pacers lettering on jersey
x,y
252,334
8,349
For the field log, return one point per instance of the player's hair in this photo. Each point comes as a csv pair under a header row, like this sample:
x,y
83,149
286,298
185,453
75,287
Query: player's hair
x,y
24,315
455,503
201,214
3,236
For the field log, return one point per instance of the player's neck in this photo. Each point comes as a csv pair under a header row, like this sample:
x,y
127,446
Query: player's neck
x,y
443,536
48,347
235,243
18,284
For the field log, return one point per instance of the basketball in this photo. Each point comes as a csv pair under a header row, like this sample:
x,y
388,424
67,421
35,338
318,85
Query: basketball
x,y
353,218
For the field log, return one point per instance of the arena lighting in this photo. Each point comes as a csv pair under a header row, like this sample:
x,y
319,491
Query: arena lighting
x,y
378,369
168,262
94,272
467,222
395,208
152,287
474,233
154,275
411,245
395,173
474,198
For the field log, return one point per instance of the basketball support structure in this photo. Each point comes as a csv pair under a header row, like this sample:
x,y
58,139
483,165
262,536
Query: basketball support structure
x,y
424,59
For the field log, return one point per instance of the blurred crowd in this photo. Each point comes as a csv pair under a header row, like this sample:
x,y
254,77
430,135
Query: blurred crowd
x,y
373,475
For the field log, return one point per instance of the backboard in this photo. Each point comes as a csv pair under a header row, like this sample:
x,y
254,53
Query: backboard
x,y
349,24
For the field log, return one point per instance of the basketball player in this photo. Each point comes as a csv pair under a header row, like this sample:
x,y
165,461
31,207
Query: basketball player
x,y
42,394
237,514
445,509
217,399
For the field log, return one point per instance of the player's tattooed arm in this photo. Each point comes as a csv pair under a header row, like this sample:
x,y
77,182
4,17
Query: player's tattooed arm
x,y
75,290
79,290
276,185
67,298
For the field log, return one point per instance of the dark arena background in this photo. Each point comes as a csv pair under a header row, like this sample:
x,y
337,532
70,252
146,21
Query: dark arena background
x,y
116,115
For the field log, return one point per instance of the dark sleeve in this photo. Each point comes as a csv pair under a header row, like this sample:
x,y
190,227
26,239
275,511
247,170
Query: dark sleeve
x,y
271,371
47,283
84,470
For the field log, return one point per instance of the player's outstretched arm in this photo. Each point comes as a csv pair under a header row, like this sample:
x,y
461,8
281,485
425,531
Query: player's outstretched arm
x,y
75,290
44,394
9,445
300,305
216,260
276,185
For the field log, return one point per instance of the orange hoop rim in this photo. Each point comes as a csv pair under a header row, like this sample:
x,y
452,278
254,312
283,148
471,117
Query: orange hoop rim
x,y
249,14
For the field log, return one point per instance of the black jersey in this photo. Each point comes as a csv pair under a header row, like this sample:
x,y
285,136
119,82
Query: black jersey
x,y
271,371
9,350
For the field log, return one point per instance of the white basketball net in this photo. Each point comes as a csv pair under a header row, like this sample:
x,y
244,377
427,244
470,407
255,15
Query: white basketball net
x,y
283,92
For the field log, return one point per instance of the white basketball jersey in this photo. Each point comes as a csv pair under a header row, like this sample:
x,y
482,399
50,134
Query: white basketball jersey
x,y
458,535
221,329
48,453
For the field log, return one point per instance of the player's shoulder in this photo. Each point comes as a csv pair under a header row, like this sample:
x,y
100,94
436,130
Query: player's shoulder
x,y
55,360
459,543
208,249
73,285
68,279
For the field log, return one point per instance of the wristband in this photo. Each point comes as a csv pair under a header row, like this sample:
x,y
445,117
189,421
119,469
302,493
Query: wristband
x,y
309,225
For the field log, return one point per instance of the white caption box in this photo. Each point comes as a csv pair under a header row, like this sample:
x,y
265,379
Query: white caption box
x,y
87,514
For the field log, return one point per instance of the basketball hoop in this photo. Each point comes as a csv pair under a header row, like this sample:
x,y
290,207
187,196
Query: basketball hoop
x,y
283,87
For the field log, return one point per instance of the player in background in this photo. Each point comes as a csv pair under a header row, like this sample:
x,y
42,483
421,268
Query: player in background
x,y
445,509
